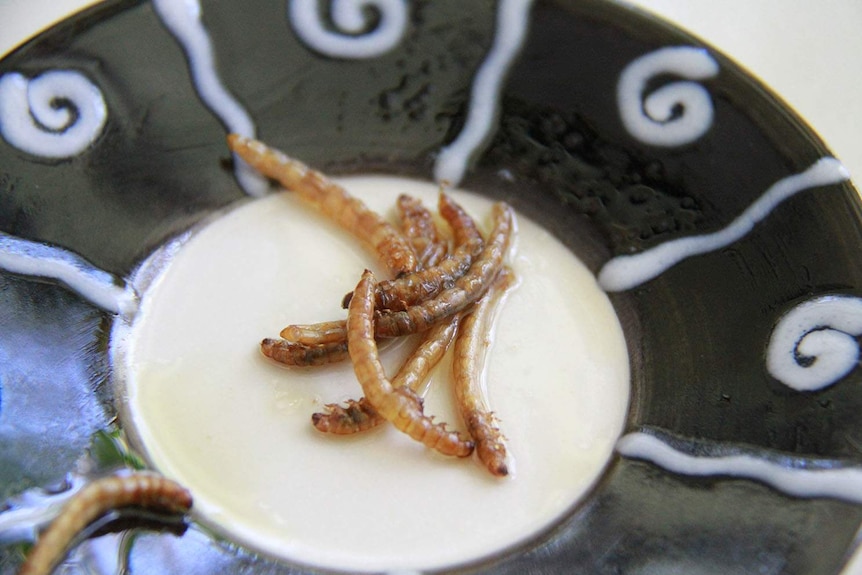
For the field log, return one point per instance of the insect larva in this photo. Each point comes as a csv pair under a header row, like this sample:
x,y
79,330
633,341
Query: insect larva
x,y
470,350
401,405
400,293
417,224
359,415
420,317
297,354
94,500
467,289
382,238
411,288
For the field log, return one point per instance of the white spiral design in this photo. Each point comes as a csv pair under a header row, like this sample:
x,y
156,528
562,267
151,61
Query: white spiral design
x,y
650,117
814,344
349,17
57,114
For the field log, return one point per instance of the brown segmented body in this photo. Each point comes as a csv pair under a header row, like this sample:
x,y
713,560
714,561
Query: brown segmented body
x,y
297,354
470,350
467,289
143,490
400,293
359,415
417,224
390,246
401,405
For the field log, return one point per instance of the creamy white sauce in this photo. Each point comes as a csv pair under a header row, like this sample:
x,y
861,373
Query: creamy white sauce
x,y
31,121
25,257
214,414
822,331
183,19
649,118
626,272
840,483
349,16
513,17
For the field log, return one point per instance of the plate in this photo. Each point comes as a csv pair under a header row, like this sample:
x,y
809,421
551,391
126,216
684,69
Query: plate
x,y
721,227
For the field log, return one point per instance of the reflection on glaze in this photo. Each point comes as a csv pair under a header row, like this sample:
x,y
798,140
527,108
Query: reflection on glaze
x,y
97,286
57,114
653,119
349,16
839,483
32,510
512,19
183,20
625,272
814,344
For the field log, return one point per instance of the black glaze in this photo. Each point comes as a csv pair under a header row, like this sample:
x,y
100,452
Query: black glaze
x,y
696,334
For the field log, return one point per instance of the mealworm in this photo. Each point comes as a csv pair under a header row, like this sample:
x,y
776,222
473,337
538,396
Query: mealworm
x,y
297,354
417,224
325,342
359,415
93,501
400,293
470,348
467,289
420,317
401,405
316,333
378,235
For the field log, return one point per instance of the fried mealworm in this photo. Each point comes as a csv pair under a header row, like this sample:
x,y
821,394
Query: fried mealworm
x,y
311,345
400,293
316,333
467,289
378,235
470,350
297,354
410,289
417,224
401,405
95,500
359,415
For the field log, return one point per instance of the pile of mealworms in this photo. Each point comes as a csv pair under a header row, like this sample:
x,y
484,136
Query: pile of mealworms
x,y
447,295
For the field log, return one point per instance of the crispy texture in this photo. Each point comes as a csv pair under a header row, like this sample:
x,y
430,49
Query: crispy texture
x,y
378,235
417,224
359,415
401,406
143,490
466,290
304,355
467,368
400,293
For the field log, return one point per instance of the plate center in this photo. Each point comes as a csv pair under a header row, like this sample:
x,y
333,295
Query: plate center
x,y
208,410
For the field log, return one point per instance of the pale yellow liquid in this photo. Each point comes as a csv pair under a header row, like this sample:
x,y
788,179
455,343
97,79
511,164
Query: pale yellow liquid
x,y
213,413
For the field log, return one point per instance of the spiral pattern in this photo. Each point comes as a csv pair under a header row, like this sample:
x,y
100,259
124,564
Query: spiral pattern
x,y
814,345
57,114
352,41
675,114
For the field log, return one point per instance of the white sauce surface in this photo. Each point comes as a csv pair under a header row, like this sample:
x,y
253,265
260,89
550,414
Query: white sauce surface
x,y
235,428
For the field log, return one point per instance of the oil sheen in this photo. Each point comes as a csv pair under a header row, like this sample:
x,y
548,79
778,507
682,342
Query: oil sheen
x,y
209,411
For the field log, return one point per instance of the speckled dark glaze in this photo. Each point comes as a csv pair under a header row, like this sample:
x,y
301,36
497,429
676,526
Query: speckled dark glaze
x,y
696,334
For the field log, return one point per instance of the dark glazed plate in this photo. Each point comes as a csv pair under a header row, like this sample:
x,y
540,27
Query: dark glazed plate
x,y
726,235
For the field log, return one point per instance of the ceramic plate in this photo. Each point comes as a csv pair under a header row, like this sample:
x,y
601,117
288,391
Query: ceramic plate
x,y
724,232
